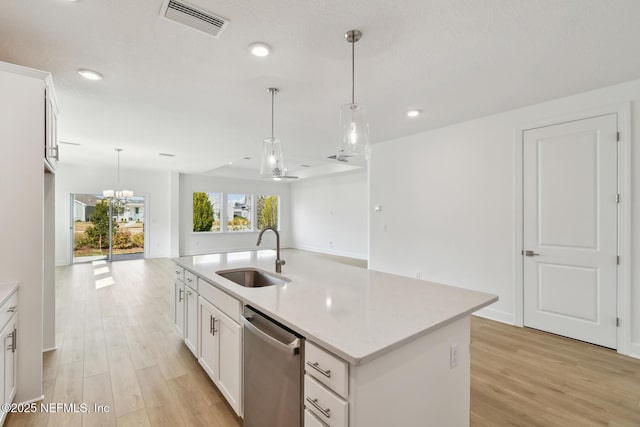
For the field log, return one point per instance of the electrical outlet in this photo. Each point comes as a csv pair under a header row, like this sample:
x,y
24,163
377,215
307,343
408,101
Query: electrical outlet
x,y
453,356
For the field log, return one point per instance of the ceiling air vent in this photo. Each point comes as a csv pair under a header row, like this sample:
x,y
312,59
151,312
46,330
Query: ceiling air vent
x,y
194,17
340,159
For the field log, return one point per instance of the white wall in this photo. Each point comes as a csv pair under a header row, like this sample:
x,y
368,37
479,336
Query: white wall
x,y
22,217
199,243
457,187
330,214
155,186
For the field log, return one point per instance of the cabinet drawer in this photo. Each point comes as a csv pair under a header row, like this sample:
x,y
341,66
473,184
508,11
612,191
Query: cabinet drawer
x,y
190,279
8,309
328,407
327,368
225,302
310,420
179,272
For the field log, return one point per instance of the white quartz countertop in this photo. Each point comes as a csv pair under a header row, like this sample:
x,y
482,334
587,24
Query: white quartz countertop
x,y
356,313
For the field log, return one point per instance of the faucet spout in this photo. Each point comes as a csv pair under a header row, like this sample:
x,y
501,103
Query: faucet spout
x,y
279,262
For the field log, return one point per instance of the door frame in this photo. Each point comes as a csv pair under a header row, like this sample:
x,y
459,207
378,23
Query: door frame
x,y
623,112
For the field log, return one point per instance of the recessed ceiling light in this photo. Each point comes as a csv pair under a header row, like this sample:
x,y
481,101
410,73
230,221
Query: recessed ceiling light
x,y
414,113
90,74
230,163
259,49
166,155
305,166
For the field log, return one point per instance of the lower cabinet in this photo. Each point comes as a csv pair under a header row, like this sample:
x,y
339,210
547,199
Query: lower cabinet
x,y
179,306
221,352
191,319
9,335
9,359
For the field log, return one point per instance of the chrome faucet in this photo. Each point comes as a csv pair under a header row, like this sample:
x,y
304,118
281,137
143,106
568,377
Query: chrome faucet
x,y
279,262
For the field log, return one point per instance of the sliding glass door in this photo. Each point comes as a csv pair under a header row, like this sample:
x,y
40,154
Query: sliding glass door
x,y
107,230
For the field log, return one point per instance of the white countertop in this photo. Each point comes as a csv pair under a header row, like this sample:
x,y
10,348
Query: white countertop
x,y
6,289
356,313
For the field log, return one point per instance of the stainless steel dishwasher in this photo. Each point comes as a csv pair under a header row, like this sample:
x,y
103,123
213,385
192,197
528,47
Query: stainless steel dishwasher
x,y
273,360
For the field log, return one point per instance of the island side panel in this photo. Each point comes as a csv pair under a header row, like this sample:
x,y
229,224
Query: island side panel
x,y
415,385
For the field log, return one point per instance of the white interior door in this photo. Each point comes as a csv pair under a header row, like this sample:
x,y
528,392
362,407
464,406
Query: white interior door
x,y
570,229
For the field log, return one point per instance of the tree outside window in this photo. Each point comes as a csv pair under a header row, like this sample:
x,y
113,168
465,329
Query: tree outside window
x,y
267,211
206,211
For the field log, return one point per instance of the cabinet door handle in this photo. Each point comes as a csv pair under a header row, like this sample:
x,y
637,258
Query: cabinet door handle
x,y
55,153
316,366
180,295
314,402
15,340
213,326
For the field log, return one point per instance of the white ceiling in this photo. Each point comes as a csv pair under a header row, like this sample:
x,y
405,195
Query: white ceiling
x,y
168,88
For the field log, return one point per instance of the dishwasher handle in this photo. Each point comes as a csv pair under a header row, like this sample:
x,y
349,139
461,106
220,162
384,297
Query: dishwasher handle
x,y
292,348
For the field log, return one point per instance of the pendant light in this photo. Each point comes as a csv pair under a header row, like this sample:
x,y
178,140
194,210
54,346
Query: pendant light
x,y
354,128
272,164
117,195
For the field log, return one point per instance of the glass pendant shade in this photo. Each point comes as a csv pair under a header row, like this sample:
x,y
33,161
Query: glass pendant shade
x,y
272,165
354,130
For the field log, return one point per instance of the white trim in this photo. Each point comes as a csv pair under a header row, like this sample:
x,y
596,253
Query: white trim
x,y
634,350
37,399
497,315
623,112
346,254
624,228
45,350
24,71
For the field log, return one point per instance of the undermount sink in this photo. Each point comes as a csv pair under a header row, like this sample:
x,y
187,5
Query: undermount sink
x,y
252,278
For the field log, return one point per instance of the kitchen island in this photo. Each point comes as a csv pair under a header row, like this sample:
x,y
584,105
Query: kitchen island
x,y
402,343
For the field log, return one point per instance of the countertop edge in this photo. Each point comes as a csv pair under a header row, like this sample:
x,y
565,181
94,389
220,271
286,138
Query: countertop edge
x,y
7,289
354,360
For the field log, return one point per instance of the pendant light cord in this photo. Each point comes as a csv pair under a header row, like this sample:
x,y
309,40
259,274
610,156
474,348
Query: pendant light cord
x,y
272,108
353,68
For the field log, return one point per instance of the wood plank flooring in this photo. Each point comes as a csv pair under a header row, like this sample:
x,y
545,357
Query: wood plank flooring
x,y
117,347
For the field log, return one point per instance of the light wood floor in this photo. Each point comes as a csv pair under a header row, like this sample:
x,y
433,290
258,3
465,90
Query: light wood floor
x,y
117,347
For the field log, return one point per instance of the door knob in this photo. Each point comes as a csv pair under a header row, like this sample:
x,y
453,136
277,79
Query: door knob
x,y
530,253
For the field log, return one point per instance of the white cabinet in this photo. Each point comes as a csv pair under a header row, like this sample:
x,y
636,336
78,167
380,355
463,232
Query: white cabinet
x,y
191,319
179,306
9,338
221,352
325,376
9,359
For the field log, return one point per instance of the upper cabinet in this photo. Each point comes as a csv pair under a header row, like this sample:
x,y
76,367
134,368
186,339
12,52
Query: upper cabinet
x,y
51,152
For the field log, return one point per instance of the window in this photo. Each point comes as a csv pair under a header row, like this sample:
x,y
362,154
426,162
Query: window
x,y
206,211
239,212
234,212
267,211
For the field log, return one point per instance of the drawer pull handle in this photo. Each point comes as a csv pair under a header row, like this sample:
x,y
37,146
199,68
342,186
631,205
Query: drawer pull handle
x,y
12,309
315,365
189,279
177,271
314,402
180,296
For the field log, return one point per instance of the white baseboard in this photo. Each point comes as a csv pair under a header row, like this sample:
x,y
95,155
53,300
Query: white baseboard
x,y
634,350
37,399
44,350
497,315
331,251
